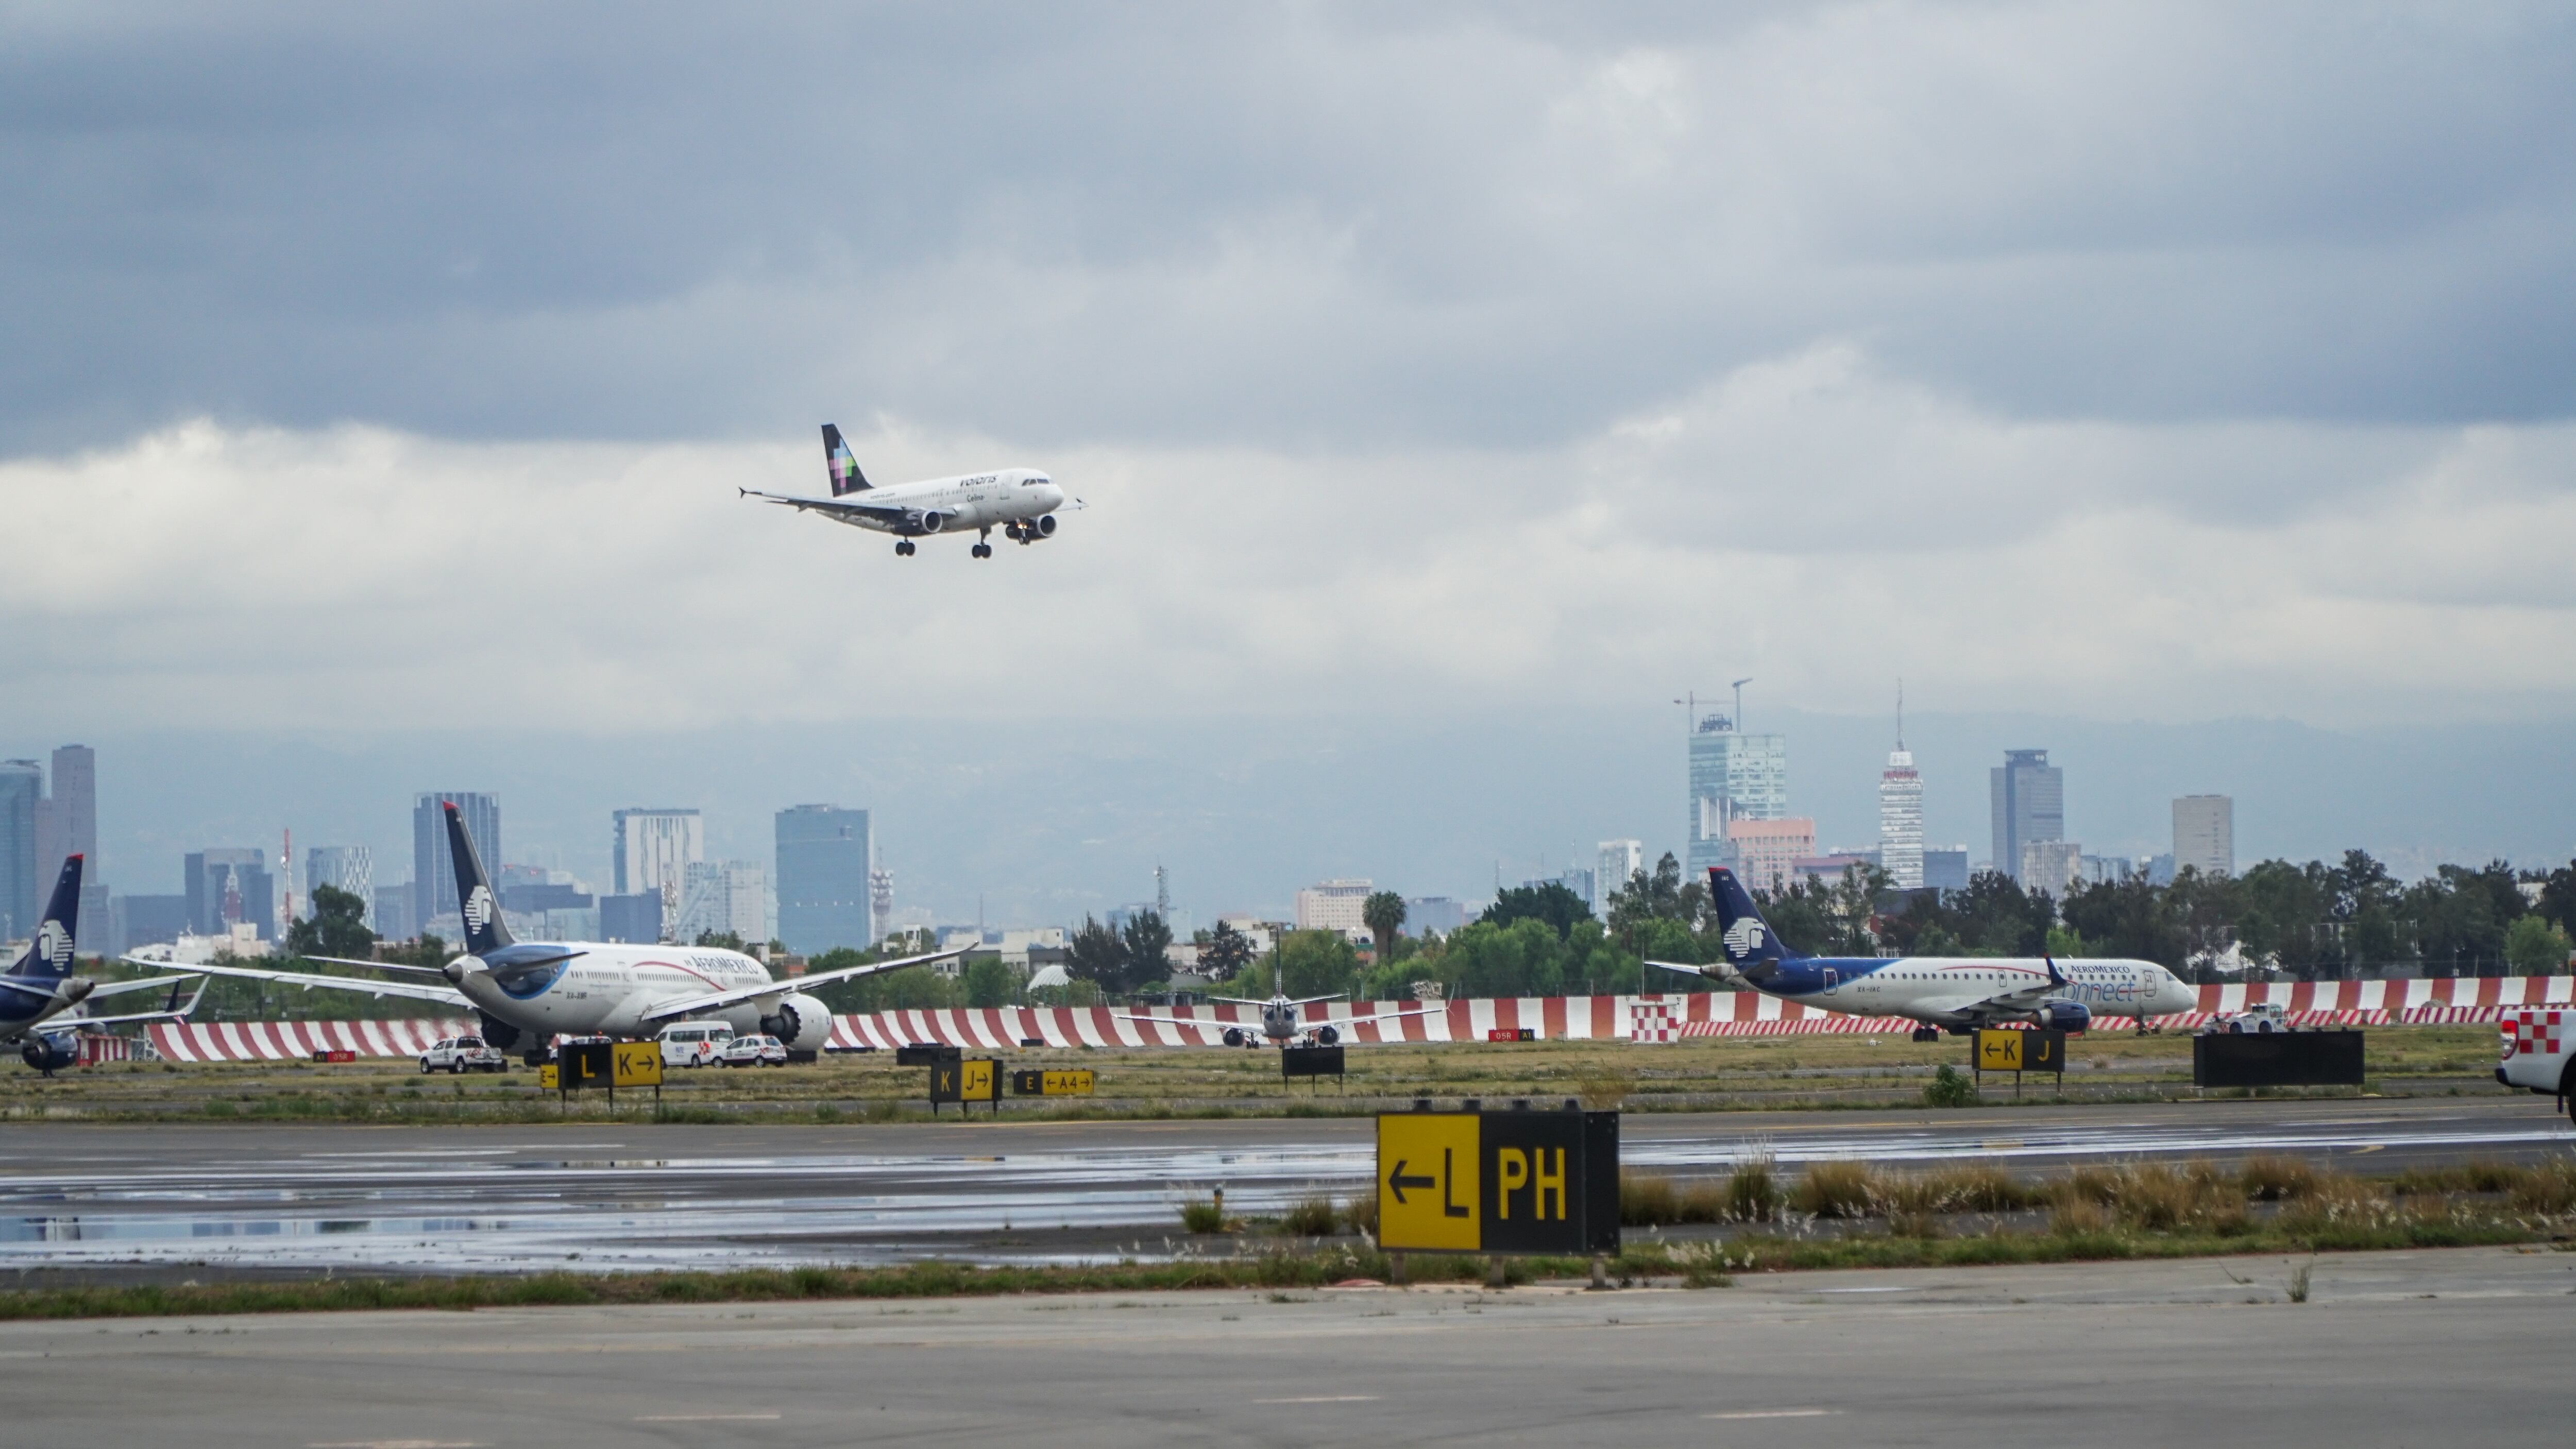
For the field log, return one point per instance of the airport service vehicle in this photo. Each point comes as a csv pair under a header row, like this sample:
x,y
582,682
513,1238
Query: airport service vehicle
x,y
462,1054
695,1043
1019,501
43,1006
1957,994
2540,1052
754,1050
526,993
2263,1018
1281,1018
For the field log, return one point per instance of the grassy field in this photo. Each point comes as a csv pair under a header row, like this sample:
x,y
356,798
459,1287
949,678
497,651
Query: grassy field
x,y
1703,1074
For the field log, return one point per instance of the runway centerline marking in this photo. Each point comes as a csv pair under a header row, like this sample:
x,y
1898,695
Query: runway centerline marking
x,y
1774,1414
701,1418
1325,1399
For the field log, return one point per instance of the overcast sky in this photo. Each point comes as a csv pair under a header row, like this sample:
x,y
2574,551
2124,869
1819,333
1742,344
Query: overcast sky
x,y
386,368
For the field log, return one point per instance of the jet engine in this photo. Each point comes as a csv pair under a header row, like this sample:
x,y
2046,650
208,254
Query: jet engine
x,y
1234,1036
500,1034
933,521
801,1024
1043,525
1326,1035
51,1054
2065,1015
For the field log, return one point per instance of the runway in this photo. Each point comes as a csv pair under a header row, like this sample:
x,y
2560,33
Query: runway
x,y
2391,1348
290,1198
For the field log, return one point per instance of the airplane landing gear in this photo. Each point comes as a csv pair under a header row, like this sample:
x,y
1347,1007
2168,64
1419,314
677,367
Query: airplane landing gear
x,y
982,550
1927,1033
984,543
903,548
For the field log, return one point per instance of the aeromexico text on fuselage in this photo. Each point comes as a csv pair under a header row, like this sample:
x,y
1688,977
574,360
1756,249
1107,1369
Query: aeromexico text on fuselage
x,y
1932,988
592,989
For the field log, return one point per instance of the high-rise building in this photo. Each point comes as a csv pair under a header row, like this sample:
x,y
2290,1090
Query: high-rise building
x,y
1733,776
823,890
2050,866
1618,863
1765,853
2029,797
433,868
22,798
343,868
636,919
1900,820
392,917
2204,834
135,921
1332,905
1946,870
725,897
653,852
230,886
1580,880
1434,915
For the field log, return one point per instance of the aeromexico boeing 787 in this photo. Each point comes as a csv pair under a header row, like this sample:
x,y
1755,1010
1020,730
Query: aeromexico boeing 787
x,y
1019,501
529,992
1961,993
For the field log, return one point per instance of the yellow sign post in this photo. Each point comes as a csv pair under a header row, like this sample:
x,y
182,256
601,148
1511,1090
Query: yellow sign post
x,y
1427,1181
1498,1182
1051,1082
962,1081
637,1064
546,1076
2018,1050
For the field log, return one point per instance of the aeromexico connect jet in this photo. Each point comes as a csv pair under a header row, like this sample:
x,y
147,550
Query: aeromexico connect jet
x,y
1019,501
529,992
38,996
1961,993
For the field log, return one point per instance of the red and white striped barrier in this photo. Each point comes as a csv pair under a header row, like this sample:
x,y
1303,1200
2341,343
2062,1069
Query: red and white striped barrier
x,y
1552,1018
274,1041
1652,1021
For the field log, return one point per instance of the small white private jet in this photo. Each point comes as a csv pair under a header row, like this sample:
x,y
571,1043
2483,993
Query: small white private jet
x,y
1019,501
1282,1018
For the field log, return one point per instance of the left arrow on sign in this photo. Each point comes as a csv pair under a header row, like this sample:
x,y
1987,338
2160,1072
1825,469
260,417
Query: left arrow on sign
x,y
1397,1182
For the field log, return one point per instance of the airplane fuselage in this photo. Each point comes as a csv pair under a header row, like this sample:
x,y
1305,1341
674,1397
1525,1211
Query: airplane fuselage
x,y
1957,991
608,990
973,502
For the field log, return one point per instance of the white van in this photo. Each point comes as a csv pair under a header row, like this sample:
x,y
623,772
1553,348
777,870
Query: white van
x,y
694,1043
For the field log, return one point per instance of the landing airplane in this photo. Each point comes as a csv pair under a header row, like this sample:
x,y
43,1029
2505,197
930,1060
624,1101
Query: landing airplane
x,y
1280,1018
41,988
1957,993
1020,501
527,992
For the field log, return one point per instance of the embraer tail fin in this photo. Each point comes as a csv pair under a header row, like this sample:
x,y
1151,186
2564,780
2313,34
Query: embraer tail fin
x,y
846,477
1750,943
49,951
485,932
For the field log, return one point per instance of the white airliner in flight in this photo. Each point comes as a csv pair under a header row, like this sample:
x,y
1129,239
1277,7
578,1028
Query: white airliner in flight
x,y
528,992
1958,992
1019,501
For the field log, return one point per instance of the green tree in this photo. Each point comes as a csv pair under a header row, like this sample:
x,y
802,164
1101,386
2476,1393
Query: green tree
x,y
1317,963
337,927
987,982
2536,946
1548,901
1095,954
1143,942
722,940
1383,913
428,950
1524,958
2132,917
1225,952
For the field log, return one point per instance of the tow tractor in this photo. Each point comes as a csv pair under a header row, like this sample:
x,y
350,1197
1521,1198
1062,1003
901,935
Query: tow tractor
x,y
2540,1052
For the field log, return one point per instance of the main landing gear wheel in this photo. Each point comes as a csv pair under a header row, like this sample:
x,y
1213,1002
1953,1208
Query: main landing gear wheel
x,y
1927,1033
982,550
903,548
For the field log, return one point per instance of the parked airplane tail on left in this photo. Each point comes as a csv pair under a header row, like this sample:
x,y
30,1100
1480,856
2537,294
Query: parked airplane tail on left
x,y
49,954
485,931
1751,946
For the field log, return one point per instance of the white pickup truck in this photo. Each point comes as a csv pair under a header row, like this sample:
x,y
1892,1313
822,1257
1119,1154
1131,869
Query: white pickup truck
x,y
2540,1052
462,1054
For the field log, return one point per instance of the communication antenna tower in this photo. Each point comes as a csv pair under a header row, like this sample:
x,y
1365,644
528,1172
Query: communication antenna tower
x,y
286,868
1162,893
1739,702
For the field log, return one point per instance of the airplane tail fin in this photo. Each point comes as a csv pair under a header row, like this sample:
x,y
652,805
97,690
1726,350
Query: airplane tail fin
x,y
846,477
1749,940
484,930
49,951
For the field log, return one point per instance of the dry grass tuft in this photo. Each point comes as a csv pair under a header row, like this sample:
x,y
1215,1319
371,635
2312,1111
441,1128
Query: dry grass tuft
x,y
1361,1213
1602,1085
1313,1217
1753,1191
1836,1190
2276,1179
1647,1201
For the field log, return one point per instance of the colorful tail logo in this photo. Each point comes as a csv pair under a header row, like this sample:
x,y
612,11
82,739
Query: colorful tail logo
x,y
846,477
49,955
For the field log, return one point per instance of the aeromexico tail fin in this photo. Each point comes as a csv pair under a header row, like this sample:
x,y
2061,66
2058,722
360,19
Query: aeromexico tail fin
x,y
1749,940
49,952
846,477
484,931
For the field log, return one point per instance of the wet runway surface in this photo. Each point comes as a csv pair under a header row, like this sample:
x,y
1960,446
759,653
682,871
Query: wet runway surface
x,y
607,1197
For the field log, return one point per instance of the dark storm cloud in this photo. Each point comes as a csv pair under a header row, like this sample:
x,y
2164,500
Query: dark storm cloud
x,y
1298,226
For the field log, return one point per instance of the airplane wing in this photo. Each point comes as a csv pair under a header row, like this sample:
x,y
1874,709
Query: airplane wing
x,y
171,1013
718,1000
1184,1021
439,971
444,996
119,988
882,511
